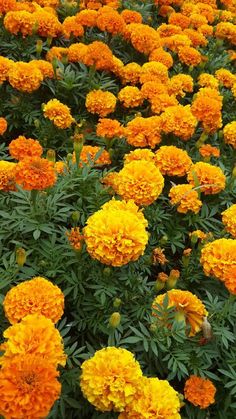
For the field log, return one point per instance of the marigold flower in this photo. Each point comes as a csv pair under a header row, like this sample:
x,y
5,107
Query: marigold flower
x,y
199,391
154,71
210,178
38,295
229,220
58,113
208,80
161,102
109,379
206,30
179,19
48,3
143,38
155,398
7,176
172,161
130,73
226,30
101,103
186,199
197,39
207,109
58,53
197,20
229,133
207,150
19,22
23,147
7,5
99,55
89,153
116,234
28,386
139,154
60,167
45,67
131,16
109,128
180,121
175,42
140,181
186,303
5,65
130,97
87,17
152,89
25,77
35,335
218,256
225,77
144,132
230,279
35,173
75,238
158,256
180,84
110,20
189,56
3,125
198,234
161,56
48,24
70,26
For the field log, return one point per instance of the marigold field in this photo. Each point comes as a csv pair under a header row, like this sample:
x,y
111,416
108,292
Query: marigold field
x,y
118,209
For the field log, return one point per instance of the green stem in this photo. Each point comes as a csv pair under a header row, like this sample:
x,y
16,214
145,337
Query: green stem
x,y
34,194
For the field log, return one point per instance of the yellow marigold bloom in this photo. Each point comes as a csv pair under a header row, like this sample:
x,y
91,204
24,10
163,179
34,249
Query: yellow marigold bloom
x,y
130,97
188,305
89,153
211,178
225,77
35,335
207,150
144,132
5,65
158,256
180,84
189,56
23,147
131,16
206,30
99,55
154,71
197,38
186,198
180,121
154,399
233,90
199,391
197,20
45,67
165,30
152,89
7,176
229,132
110,378
35,173
116,234
58,113
218,256
3,125
161,102
208,80
25,77
28,386
110,20
48,25
139,154
172,161
87,17
38,295
143,38
70,26
230,279
57,52
101,103
140,181
226,30
60,167
75,238
229,220
161,56
19,22
198,234
207,109
175,42
109,128
7,5
130,73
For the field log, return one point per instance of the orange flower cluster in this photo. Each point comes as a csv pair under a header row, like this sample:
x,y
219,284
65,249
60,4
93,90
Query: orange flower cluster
x,y
75,238
23,147
199,391
173,161
35,173
101,103
58,113
229,220
130,97
210,179
186,198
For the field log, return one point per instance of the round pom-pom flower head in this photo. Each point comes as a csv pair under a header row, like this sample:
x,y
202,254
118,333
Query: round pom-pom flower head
x,y
3,125
210,178
35,173
58,113
229,132
173,161
229,220
110,378
199,391
23,147
116,234
101,103
25,77
37,295
7,176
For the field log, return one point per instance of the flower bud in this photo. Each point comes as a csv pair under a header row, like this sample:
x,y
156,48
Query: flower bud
x,y
39,46
114,320
107,271
49,41
153,327
20,257
117,302
164,239
173,278
37,123
69,157
206,329
51,155
159,285
75,216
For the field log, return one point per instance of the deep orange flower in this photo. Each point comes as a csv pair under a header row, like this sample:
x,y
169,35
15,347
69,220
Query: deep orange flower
x,y
109,128
130,97
110,21
161,56
131,16
179,19
207,109
199,391
75,238
189,56
19,22
99,55
70,26
197,39
23,147
180,84
154,71
58,113
130,73
7,5
226,30
57,52
101,103
5,65
229,132
143,38
7,176
3,125
165,30
173,161
144,132
25,77
35,173
48,24
161,102
175,42
229,220
28,387
45,67
207,150
88,156
180,121
186,198
87,17
210,178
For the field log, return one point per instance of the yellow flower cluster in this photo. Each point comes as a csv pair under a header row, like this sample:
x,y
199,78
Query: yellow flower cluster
x,y
58,113
229,220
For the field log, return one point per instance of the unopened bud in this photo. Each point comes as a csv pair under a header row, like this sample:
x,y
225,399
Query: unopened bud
x,y
39,46
173,278
114,320
153,327
164,239
117,302
64,59
51,155
107,271
159,285
75,216
49,41
181,399
20,257
234,172
69,157
37,123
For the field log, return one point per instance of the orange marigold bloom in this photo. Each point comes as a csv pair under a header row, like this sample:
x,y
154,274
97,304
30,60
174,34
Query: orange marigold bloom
x,y
207,109
89,153
158,256
179,19
7,176
70,26
226,30
165,10
58,113
45,67
23,147
175,42
3,125
143,38
210,178
180,121
99,55
7,5
229,220
165,30
38,295
198,234
207,150
144,132
197,20
100,102
48,3
130,97
48,25
187,307
161,102
5,65
116,234
154,71
172,161
35,173
19,22
25,77
57,52
229,133
29,387
130,73
199,391
140,181
208,80
180,84
197,39
225,77
161,56
35,335
139,154
75,238
230,279
218,256
131,16
110,20
60,167
77,52
189,56
186,198
109,128
87,17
